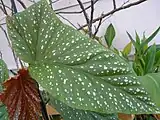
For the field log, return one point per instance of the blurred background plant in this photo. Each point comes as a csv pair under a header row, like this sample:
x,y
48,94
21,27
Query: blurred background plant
x,y
145,59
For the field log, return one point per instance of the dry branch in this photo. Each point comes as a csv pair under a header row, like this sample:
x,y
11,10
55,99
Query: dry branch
x,y
67,21
114,4
115,10
91,19
22,4
85,16
58,11
4,8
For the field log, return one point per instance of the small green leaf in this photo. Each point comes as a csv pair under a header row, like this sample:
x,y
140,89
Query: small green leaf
x,y
109,35
138,41
152,84
150,37
145,46
73,68
150,59
127,49
136,45
3,76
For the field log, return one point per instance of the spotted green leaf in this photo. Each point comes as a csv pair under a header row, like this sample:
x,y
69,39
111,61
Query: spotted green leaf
x,y
69,113
3,73
3,112
73,68
3,76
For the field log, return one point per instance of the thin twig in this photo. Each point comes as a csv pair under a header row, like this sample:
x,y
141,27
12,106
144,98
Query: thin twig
x,y
42,103
14,55
91,19
13,6
55,1
97,28
33,1
2,24
22,4
50,3
68,21
14,73
115,10
71,6
101,21
21,63
4,8
75,12
114,4
86,17
125,2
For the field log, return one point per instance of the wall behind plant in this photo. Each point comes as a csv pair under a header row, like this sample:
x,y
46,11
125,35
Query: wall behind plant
x,y
144,17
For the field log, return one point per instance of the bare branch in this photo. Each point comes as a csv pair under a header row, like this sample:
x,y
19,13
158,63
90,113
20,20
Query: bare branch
x,y
71,6
125,2
14,55
4,8
22,4
13,6
75,12
55,1
33,1
50,3
115,10
91,19
114,4
68,21
97,28
2,24
86,16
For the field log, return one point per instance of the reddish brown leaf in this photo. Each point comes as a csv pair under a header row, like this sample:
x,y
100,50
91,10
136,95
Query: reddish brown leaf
x,y
21,97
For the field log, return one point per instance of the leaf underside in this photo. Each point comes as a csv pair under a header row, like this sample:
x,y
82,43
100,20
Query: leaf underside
x,y
3,76
21,97
74,69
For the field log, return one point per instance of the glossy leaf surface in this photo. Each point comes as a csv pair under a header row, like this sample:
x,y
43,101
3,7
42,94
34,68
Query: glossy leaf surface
x,y
73,68
21,97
